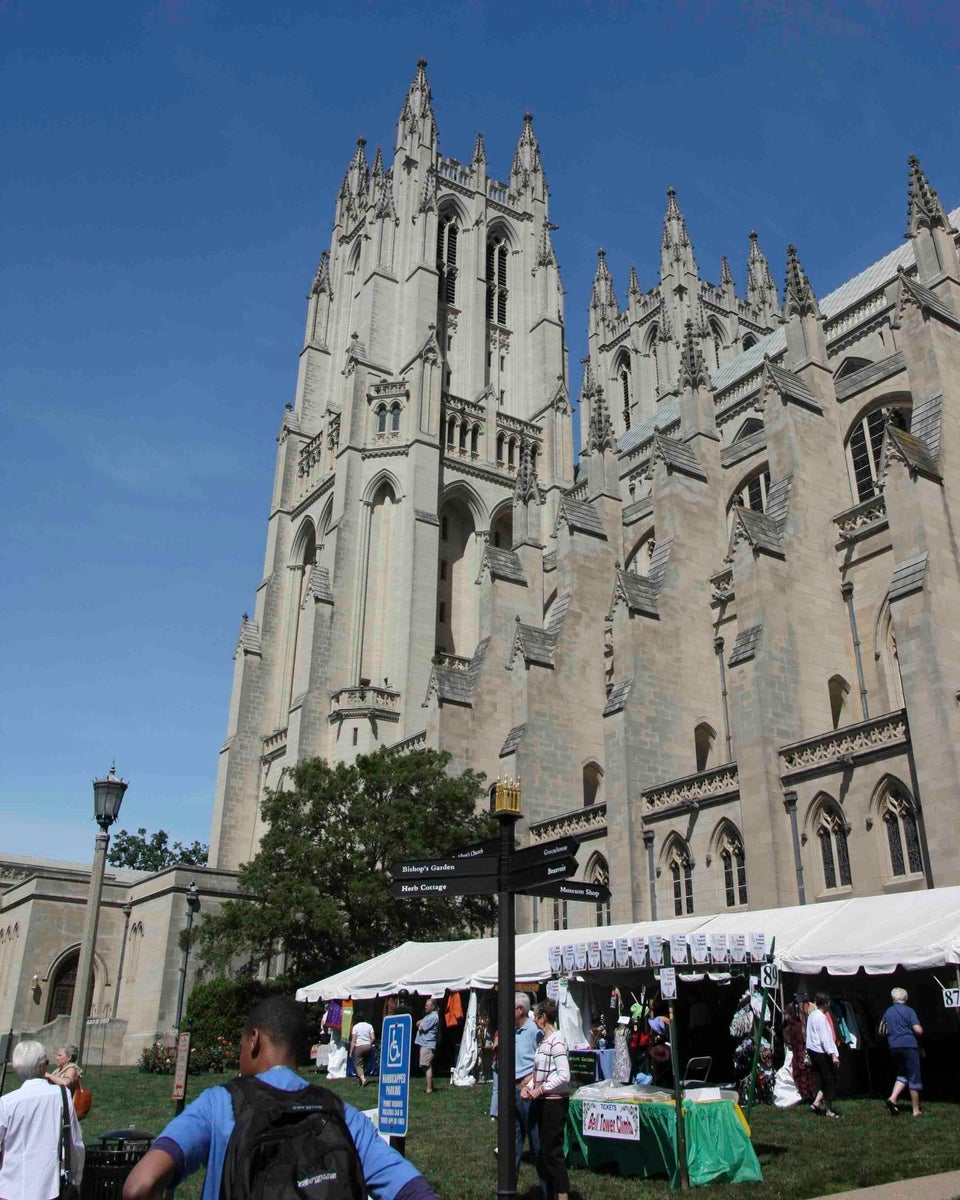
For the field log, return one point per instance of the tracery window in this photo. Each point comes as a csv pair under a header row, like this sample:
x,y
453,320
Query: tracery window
x,y
623,376
832,831
382,419
599,872
753,494
395,418
734,869
865,444
903,835
448,236
681,875
497,280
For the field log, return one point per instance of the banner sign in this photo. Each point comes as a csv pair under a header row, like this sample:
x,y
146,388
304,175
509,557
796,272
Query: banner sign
x,y
607,1119
593,955
180,1069
655,944
606,953
737,945
555,956
623,952
678,949
580,955
700,948
553,990
638,951
718,947
758,946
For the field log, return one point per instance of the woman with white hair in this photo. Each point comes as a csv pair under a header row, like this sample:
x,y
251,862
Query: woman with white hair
x,y
67,1074
30,1122
901,1025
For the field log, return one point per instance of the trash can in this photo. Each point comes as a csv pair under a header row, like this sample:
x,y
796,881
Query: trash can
x,y
107,1166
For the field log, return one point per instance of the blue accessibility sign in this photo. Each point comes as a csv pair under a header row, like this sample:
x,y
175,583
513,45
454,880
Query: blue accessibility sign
x,y
396,1044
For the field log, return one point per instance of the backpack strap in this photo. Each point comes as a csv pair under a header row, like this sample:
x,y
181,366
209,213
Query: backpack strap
x,y
65,1134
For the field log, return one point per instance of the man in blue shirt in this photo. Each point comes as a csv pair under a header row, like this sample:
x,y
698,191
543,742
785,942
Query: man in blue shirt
x,y
271,1047
426,1039
528,1037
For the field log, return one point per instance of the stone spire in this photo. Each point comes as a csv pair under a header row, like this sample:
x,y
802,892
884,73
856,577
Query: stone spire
x,y
928,227
726,275
633,288
527,171
545,253
321,281
693,368
417,125
479,153
358,176
526,489
601,436
676,252
603,299
761,290
798,296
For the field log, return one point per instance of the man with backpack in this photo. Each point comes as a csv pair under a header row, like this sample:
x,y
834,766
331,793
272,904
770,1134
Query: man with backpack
x,y
270,1133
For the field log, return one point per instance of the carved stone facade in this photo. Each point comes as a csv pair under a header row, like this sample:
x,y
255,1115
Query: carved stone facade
x,y
721,650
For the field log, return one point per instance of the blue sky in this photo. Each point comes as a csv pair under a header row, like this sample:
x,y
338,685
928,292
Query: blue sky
x,y
170,169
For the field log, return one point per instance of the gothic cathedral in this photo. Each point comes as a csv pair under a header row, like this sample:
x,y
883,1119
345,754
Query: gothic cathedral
x,y
721,647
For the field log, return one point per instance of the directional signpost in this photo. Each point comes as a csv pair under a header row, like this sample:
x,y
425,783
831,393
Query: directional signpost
x,y
490,868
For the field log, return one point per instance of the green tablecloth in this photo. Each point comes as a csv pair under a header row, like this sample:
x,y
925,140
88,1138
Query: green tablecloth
x,y
718,1146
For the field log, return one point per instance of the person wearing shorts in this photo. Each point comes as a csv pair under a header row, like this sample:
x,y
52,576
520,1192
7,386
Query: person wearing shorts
x,y
426,1039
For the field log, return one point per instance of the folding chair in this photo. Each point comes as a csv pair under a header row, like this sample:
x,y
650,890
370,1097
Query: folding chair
x,y
697,1072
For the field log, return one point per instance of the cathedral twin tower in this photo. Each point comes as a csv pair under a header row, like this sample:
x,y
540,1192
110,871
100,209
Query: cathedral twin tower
x,y
438,574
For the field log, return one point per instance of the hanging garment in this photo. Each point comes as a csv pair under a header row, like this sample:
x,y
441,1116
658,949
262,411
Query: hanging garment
x,y
454,1012
347,1023
337,1058
785,1093
334,1015
622,1070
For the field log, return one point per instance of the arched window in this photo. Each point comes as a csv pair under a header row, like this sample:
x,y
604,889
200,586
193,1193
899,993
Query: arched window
x,y
832,830
592,783
457,612
749,341
899,815
501,530
451,431
653,361
839,690
382,419
463,435
63,987
734,863
623,378
716,338
497,279
511,452
681,877
704,737
865,444
499,447
395,418
750,426
475,440
599,872
753,493
448,236
639,561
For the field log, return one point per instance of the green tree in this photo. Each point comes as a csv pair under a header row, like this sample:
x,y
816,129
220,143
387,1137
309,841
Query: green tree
x,y
317,886
155,852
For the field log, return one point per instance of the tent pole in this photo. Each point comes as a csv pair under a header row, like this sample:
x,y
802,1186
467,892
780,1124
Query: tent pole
x,y
758,1038
677,1085
506,1016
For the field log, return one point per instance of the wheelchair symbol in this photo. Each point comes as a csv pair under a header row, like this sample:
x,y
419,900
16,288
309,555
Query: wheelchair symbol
x,y
395,1047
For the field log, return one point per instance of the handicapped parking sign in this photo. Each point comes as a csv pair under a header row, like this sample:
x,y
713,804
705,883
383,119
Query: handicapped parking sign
x,y
394,1094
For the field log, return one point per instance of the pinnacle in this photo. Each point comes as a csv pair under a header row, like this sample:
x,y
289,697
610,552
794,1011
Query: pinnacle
x,y
673,209
799,297
923,204
479,153
726,275
693,370
634,287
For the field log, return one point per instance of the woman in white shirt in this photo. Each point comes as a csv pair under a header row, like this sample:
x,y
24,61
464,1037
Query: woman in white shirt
x,y
30,1122
549,1089
824,1057
361,1043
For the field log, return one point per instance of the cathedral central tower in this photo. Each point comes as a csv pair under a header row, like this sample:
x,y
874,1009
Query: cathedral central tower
x,y
431,388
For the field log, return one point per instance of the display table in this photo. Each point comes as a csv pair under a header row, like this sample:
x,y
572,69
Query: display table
x,y
718,1144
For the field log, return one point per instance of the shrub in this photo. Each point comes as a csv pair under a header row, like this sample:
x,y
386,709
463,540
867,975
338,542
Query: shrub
x,y
158,1059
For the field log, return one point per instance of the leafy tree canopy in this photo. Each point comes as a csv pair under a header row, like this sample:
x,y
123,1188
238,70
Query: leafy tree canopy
x,y
318,883
155,852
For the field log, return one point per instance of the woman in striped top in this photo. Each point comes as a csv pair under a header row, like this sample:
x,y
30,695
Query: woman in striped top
x,y
549,1089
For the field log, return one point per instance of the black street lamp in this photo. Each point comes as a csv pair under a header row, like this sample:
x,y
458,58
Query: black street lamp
x,y
107,797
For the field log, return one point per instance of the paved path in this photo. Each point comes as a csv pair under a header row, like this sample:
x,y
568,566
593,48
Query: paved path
x,y
927,1187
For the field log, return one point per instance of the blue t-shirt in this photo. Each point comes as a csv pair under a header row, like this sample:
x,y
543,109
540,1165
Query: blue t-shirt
x,y
427,1033
528,1039
900,1019
203,1129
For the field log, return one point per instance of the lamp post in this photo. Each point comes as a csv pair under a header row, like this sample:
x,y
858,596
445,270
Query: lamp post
x,y
193,907
107,798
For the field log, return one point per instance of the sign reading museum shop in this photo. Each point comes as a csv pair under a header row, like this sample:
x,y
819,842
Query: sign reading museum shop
x,y
609,1119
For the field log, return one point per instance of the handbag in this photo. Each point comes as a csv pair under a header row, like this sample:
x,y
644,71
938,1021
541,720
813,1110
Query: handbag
x,y
82,1102
68,1189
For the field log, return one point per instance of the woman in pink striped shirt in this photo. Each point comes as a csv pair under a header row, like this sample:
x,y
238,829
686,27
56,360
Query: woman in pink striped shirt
x,y
549,1088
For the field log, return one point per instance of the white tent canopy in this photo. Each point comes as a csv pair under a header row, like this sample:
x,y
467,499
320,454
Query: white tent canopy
x,y
913,930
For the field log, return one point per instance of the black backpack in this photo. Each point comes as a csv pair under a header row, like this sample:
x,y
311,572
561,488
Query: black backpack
x,y
289,1146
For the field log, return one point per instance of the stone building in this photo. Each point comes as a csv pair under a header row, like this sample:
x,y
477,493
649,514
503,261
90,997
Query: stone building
x,y
721,649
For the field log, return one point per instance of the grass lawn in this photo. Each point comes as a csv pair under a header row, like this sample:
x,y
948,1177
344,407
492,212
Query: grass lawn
x,y
451,1141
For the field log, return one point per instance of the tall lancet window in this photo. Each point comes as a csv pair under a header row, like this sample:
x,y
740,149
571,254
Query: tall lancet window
x,y
497,279
380,629
681,877
448,239
864,447
623,378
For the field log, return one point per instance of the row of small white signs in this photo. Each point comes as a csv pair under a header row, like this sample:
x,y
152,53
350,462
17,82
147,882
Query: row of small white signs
x,y
686,949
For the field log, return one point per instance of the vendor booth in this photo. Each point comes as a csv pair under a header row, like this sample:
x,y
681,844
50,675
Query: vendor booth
x,y
595,974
